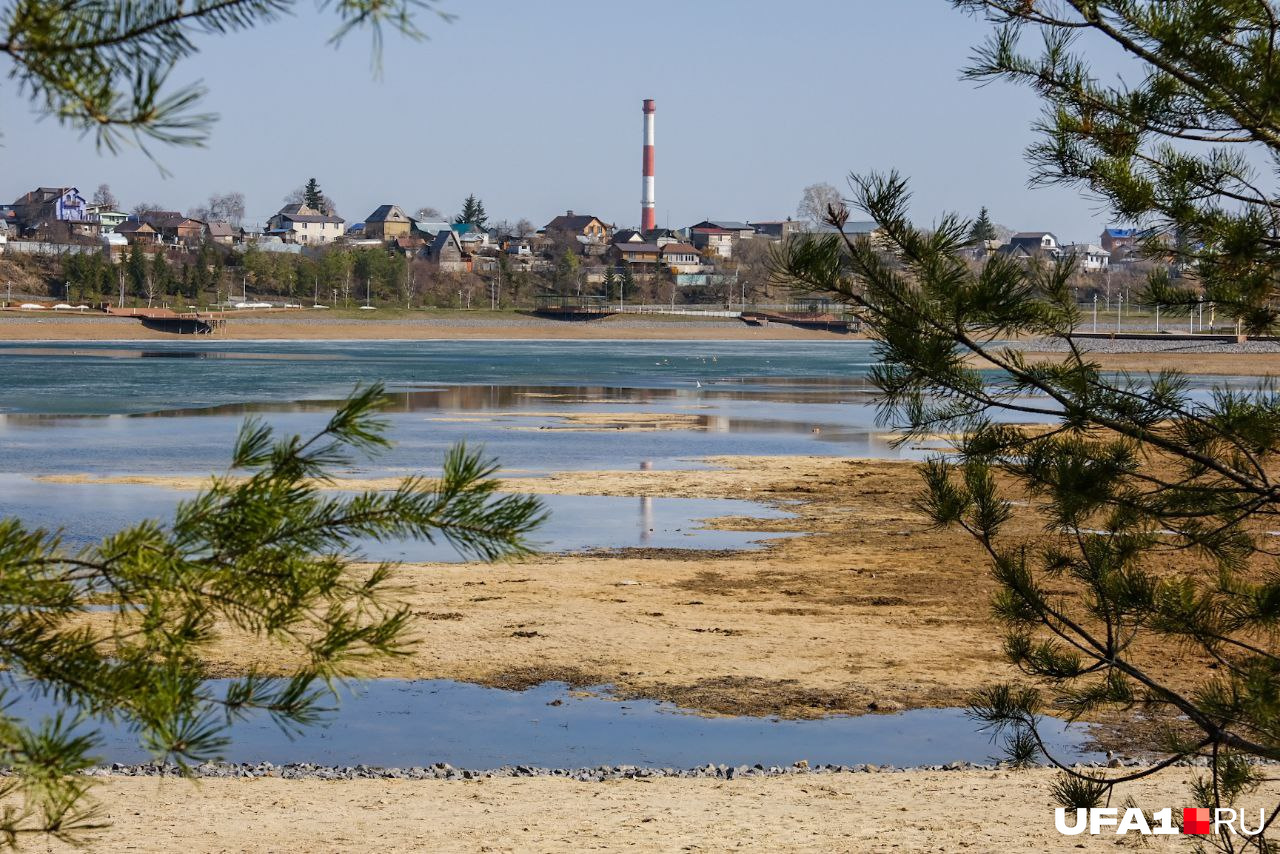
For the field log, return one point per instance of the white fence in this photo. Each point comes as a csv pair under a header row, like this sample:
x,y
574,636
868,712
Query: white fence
x,y
667,309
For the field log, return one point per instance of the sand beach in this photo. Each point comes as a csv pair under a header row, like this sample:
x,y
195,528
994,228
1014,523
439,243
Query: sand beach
x,y
924,811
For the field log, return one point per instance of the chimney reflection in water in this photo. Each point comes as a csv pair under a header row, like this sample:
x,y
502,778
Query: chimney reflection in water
x,y
646,510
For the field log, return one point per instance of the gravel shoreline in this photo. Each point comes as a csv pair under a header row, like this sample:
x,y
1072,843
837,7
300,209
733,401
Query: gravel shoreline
x,y
1152,345
597,774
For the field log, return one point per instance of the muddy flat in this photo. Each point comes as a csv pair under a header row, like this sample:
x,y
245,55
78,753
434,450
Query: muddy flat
x,y
849,617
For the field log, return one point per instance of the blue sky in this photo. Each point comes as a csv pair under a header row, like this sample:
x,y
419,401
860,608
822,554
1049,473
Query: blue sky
x,y
535,107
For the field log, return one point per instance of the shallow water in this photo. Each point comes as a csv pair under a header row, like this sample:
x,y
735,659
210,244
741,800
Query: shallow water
x,y
89,511
173,408
394,723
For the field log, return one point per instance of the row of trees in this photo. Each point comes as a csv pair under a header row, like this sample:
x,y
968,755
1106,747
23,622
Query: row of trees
x,y
143,278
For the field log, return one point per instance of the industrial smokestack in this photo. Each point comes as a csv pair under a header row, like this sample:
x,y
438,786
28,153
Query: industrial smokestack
x,y
648,222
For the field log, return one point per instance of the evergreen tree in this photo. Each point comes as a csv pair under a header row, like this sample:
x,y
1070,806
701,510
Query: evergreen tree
x,y
104,68
1173,149
162,280
982,229
137,271
473,213
267,554
1151,588
313,196
628,282
610,283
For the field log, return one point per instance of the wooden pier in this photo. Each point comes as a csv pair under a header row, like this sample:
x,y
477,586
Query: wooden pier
x,y
167,320
573,307
826,321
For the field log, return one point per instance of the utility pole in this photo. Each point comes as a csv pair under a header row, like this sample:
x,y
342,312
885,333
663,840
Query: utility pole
x,y
1095,312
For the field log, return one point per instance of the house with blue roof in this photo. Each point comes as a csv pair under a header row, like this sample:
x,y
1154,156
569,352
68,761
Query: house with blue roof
x,y
1118,238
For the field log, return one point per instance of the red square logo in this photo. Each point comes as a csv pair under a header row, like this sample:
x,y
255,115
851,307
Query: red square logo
x,y
1195,820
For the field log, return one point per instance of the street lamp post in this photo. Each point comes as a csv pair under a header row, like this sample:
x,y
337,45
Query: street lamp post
x,y
1095,312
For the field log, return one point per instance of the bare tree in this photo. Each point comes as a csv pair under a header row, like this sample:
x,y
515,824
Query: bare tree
x,y
428,214
225,207
815,201
104,197
143,208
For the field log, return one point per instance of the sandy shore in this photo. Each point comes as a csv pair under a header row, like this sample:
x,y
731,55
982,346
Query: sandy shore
x,y
30,326
912,811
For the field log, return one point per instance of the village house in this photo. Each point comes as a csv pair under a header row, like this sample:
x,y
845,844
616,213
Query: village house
x,y
387,222
641,257
719,235
1032,244
1128,245
578,225
715,240
300,223
173,227
222,233
778,229
409,246
106,217
663,236
681,258
137,231
446,253
53,213
472,237
627,235
1118,238
852,229
428,229
1090,257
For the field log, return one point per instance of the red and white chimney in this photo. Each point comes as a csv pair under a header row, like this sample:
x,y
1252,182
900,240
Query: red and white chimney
x,y
648,221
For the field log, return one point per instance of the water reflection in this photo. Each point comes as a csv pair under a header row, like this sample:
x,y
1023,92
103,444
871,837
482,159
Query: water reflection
x,y
498,398
90,511
393,723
